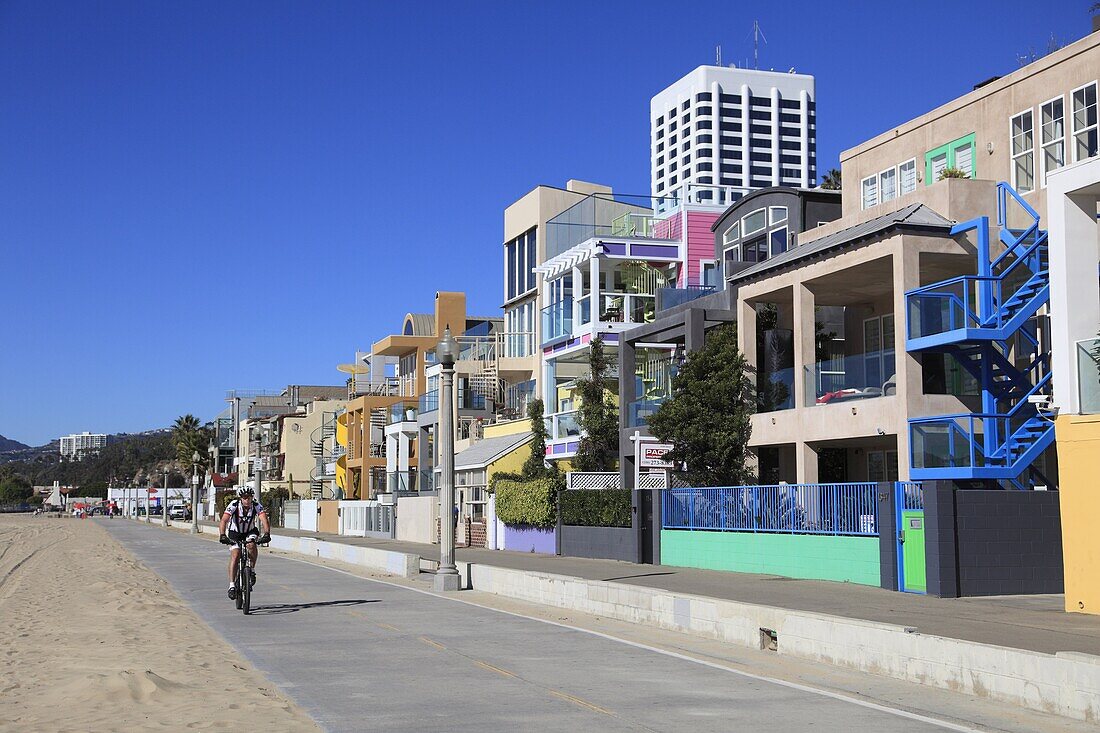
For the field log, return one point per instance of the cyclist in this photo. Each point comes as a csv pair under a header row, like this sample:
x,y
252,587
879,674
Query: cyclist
x,y
239,522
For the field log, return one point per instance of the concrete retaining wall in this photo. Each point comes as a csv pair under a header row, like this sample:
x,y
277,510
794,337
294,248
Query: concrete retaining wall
x,y
395,563
818,557
1066,684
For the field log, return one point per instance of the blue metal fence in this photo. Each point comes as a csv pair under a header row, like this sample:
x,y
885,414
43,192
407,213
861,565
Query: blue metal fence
x,y
831,509
911,494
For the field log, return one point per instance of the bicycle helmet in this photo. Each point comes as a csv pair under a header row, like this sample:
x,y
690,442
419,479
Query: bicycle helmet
x,y
245,491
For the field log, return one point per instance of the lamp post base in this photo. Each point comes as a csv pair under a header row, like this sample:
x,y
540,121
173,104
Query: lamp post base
x,y
447,582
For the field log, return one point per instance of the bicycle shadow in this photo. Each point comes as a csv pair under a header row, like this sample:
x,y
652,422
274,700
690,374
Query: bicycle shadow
x,y
295,607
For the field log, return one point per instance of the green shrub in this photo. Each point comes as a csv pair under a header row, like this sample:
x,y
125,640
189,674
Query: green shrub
x,y
531,502
596,507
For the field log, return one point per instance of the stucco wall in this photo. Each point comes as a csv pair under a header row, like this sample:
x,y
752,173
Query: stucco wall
x,y
820,557
1078,459
416,518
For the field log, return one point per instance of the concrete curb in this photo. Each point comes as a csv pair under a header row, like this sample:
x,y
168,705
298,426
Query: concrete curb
x,y
1067,683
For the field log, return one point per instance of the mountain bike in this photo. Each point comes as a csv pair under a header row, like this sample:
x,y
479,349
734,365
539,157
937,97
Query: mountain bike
x,y
242,586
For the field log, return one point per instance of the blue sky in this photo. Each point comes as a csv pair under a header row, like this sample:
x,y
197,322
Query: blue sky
x,y
202,196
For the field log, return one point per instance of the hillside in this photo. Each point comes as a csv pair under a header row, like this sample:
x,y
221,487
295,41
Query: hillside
x,y
127,460
7,444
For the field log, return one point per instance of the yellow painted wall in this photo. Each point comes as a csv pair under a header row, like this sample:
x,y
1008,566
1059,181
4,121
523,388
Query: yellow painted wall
x,y
329,520
511,427
1078,439
511,462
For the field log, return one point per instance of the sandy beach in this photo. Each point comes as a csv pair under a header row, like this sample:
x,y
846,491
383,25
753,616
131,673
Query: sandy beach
x,y
86,647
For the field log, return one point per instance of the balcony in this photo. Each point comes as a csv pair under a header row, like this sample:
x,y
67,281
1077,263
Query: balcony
x,y
477,348
638,411
402,413
365,388
850,377
410,480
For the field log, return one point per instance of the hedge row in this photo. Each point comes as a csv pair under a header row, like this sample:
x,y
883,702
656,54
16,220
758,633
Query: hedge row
x,y
532,502
596,507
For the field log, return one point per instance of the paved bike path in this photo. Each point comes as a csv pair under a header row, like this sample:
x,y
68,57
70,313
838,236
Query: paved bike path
x,y
360,655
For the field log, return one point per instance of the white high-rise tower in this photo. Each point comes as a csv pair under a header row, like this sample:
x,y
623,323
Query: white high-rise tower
x,y
724,126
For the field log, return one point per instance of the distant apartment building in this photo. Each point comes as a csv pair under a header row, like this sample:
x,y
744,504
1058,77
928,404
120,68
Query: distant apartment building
x,y
80,445
724,126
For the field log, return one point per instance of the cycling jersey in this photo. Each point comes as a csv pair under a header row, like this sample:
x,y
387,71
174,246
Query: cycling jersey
x,y
241,520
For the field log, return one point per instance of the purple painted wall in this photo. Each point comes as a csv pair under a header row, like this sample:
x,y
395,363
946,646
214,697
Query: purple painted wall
x,y
530,539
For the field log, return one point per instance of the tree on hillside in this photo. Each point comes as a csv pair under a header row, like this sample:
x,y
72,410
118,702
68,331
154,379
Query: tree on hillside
x,y
831,181
707,416
598,415
15,490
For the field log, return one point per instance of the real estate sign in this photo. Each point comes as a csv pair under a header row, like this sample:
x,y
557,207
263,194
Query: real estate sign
x,y
653,455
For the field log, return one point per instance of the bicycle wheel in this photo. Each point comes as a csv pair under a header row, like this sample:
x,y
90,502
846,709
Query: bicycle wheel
x,y
246,587
240,585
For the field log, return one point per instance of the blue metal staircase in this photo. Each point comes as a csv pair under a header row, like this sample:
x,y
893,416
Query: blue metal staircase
x,y
987,322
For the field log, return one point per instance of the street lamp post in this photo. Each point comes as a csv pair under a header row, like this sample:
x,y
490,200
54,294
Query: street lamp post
x,y
195,493
148,503
164,503
446,577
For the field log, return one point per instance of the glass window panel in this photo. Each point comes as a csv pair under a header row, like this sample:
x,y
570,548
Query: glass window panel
x,y
1023,152
754,222
964,159
870,192
1052,135
732,234
510,266
779,241
778,214
887,183
1084,123
907,173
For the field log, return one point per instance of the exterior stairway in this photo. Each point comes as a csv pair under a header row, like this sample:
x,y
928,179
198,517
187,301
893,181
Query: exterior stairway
x,y
318,449
987,322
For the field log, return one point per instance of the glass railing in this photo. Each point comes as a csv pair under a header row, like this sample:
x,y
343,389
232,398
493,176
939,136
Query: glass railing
x,y
403,480
402,413
851,377
467,400
947,441
604,215
943,307
639,411
477,348
585,307
775,390
563,425
672,297
1088,376
515,344
557,320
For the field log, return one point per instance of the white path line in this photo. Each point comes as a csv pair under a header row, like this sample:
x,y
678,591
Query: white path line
x,y
676,655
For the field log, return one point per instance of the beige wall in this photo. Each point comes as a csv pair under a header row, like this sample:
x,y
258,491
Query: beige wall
x,y
986,113
416,518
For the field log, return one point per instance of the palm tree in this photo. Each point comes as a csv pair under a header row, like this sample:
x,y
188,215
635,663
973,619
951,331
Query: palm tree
x,y
189,438
831,181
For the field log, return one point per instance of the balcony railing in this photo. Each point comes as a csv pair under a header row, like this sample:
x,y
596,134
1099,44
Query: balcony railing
x,y
466,399
638,411
380,388
607,216
477,348
672,297
402,413
851,377
557,320
515,344
563,425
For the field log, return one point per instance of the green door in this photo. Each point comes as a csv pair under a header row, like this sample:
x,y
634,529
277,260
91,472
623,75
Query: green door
x,y
912,536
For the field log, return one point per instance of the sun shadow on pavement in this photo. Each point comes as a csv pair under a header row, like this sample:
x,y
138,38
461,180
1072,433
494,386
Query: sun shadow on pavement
x,y
295,607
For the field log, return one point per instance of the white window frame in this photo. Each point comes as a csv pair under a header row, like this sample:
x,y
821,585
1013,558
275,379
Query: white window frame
x,y
1042,145
1073,118
773,219
732,234
863,197
913,162
703,264
880,189
745,232
1012,155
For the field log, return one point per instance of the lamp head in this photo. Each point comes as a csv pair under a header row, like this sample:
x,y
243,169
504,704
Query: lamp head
x,y
447,349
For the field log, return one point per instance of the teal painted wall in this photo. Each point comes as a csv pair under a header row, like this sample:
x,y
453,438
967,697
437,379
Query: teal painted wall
x,y
821,557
